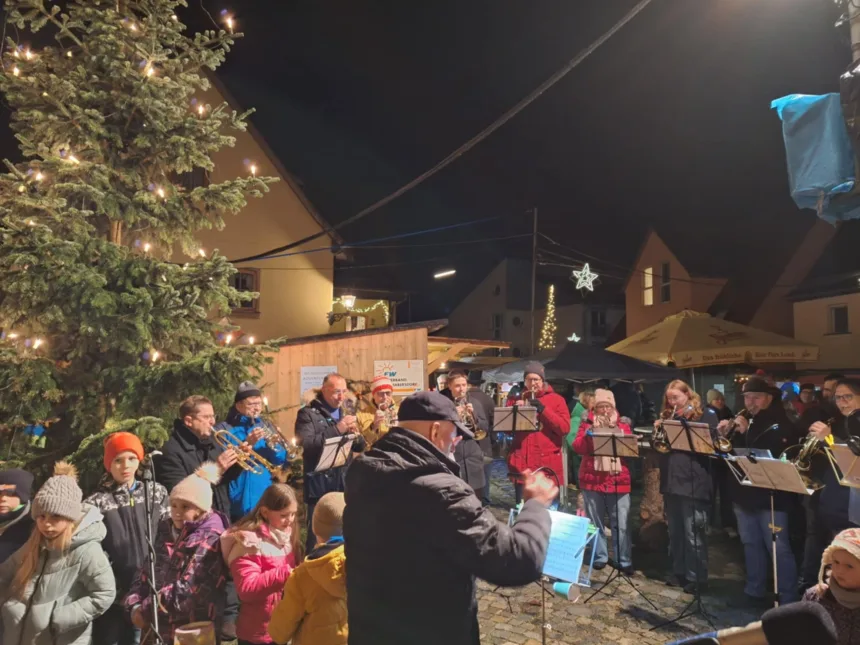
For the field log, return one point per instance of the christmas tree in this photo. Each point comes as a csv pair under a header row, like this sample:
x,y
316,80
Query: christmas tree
x,y
101,330
547,332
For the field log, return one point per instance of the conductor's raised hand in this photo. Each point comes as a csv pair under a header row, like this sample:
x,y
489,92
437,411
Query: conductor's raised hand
x,y
538,486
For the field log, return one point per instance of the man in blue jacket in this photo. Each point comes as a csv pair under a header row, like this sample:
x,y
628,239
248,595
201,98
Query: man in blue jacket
x,y
246,424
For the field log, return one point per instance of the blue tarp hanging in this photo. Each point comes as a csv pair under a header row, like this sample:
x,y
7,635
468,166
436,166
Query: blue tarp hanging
x,y
819,154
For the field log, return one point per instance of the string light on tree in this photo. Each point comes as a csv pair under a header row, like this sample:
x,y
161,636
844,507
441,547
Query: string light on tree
x,y
37,343
253,170
250,340
146,247
16,71
228,339
547,333
585,278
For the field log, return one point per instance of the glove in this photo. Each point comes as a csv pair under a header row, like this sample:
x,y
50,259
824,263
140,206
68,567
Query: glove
x,y
539,406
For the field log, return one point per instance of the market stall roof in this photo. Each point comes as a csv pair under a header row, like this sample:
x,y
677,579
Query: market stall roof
x,y
430,325
441,349
512,372
578,362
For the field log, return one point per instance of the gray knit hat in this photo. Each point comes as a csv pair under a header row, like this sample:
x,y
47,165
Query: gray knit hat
x,y
60,495
246,390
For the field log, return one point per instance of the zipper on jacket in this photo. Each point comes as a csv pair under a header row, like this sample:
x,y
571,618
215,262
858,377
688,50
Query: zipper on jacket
x,y
30,602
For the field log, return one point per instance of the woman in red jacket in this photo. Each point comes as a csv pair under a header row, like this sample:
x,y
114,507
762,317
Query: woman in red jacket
x,y
542,449
605,483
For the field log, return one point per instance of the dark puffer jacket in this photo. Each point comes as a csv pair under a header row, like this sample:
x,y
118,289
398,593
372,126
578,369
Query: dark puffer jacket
x,y
417,537
124,515
14,531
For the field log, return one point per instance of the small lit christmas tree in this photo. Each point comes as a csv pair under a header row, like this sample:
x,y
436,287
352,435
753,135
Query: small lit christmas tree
x,y
547,332
101,329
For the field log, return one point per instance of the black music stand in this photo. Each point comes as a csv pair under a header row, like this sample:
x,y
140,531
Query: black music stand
x,y
611,444
695,438
516,418
773,475
335,452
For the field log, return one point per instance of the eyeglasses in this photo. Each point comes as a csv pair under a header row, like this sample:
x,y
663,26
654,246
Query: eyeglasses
x,y
845,398
205,417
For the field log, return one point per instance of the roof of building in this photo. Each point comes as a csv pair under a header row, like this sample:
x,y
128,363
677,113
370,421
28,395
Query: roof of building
x,y
430,325
286,175
827,287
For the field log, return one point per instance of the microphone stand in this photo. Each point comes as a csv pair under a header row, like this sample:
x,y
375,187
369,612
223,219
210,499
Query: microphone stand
x,y
147,475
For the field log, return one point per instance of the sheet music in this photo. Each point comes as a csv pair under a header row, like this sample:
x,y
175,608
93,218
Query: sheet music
x,y
626,445
756,475
848,463
335,452
773,474
526,419
699,432
567,540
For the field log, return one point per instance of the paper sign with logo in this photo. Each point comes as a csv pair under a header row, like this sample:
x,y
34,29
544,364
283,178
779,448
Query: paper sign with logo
x,y
407,377
313,375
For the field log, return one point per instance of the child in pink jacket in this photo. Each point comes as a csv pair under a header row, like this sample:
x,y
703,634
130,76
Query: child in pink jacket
x,y
261,550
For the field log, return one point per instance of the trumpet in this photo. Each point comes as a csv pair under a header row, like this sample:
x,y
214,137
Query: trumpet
x,y
724,442
659,440
390,415
251,461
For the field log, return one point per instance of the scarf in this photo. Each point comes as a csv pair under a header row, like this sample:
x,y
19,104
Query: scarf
x,y
848,598
604,464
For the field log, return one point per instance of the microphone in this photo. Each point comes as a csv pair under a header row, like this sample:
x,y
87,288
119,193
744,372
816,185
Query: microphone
x,y
799,622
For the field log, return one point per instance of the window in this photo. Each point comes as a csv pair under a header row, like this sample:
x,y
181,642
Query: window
x,y
838,319
497,326
356,323
598,322
197,178
665,283
648,286
247,280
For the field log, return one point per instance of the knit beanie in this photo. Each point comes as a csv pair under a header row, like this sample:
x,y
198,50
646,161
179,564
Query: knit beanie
x,y
713,395
604,396
246,390
196,489
847,540
381,383
121,442
20,479
534,367
60,495
328,516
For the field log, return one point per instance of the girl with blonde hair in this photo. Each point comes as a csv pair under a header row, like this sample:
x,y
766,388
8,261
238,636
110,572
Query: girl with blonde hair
x,y
685,482
60,580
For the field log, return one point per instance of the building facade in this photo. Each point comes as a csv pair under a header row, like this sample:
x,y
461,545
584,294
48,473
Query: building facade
x,y
827,313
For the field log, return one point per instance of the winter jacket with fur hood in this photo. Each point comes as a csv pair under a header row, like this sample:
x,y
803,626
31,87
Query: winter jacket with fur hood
x,y
69,591
261,562
313,611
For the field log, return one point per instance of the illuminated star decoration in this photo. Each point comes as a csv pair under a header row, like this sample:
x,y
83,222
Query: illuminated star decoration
x,y
573,337
585,278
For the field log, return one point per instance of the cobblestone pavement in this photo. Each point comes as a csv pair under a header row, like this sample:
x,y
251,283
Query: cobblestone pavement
x,y
621,615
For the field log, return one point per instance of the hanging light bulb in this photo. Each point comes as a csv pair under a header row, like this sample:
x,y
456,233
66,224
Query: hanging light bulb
x,y
250,340
201,110
133,26
229,22
154,356
253,170
160,192
69,54
39,176
228,339
202,253
146,247
37,343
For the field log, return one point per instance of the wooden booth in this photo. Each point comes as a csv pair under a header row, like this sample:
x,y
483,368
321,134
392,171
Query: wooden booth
x,y
301,363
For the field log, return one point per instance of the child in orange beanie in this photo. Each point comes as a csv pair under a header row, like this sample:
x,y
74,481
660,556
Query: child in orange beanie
x,y
120,498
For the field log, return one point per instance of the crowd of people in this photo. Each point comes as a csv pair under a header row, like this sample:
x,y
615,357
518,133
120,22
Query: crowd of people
x,y
405,483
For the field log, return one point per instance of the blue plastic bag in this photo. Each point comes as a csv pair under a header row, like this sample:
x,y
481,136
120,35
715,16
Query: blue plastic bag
x,y
819,153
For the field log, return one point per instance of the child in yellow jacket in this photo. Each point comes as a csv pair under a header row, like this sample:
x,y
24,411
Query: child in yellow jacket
x,y
313,609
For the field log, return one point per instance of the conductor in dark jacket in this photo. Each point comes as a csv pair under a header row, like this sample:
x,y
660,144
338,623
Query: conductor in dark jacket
x,y
769,429
416,535
324,418
469,453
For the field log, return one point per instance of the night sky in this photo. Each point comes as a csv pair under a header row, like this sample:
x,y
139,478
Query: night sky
x,y
667,125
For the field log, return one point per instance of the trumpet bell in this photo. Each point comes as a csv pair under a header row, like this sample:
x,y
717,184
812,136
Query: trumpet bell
x,y
724,445
661,445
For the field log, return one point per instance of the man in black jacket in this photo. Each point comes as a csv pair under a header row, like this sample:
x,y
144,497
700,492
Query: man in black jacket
x,y
769,429
416,536
16,524
324,418
469,453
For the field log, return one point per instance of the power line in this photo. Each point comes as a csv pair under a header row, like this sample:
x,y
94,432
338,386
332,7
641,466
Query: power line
x,y
471,143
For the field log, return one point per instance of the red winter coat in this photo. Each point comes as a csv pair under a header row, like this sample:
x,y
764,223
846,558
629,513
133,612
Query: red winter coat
x,y
531,450
597,480
260,564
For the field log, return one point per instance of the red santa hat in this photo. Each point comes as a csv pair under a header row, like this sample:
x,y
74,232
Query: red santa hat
x,y
380,384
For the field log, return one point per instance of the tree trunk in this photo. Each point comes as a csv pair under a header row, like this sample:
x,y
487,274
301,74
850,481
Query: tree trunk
x,y
653,533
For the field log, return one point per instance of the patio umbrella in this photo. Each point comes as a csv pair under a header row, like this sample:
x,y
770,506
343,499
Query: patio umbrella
x,y
691,339
578,362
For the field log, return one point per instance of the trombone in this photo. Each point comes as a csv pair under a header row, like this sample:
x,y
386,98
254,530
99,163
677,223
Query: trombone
x,y
251,461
